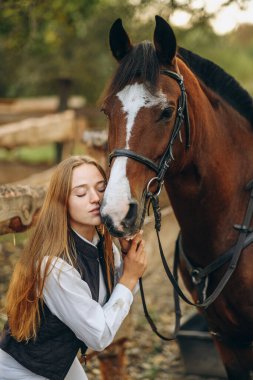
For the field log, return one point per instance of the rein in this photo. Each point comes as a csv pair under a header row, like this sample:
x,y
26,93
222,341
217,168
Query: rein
x,y
198,275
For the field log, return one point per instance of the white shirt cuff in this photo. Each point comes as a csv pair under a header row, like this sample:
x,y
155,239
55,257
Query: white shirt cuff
x,y
121,293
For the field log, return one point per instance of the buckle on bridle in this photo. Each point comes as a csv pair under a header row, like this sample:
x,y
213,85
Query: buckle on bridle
x,y
158,191
196,279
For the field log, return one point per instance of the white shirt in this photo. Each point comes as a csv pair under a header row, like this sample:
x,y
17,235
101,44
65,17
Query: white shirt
x,y
69,298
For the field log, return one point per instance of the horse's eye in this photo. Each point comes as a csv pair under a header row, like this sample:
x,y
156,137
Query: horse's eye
x,y
166,113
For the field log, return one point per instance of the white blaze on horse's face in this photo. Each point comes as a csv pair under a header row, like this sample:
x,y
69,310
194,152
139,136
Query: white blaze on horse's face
x,y
117,196
133,98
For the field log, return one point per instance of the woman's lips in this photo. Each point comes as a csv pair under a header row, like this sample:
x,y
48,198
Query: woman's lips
x,y
95,211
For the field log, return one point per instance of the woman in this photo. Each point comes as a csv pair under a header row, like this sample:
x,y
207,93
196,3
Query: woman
x,y
68,290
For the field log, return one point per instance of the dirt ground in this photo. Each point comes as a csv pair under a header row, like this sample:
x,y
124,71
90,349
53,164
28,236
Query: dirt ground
x,y
148,357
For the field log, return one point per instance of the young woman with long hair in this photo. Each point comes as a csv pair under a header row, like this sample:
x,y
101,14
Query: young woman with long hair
x,y
70,288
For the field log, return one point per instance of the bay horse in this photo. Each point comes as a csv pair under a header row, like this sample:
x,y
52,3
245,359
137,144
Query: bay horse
x,y
177,118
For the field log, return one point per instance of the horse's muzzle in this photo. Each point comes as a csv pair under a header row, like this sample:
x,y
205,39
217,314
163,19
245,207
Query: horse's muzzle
x,y
127,226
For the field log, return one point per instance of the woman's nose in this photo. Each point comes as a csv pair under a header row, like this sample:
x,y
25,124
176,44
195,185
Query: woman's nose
x,y
94,197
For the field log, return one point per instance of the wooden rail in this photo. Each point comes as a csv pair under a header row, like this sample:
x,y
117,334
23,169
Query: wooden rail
x,y
16,109
41,130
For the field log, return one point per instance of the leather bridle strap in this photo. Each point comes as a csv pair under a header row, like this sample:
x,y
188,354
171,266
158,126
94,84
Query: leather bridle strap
x,y
137,157
177,309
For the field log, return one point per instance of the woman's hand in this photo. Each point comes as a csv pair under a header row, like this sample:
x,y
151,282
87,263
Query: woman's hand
x,y
135,262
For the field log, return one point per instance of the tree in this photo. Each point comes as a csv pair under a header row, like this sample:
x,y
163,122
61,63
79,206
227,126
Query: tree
x,y
38,40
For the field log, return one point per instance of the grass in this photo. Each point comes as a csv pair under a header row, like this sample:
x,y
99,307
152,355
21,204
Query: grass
x,y
32,155
151,374
15,238
43,154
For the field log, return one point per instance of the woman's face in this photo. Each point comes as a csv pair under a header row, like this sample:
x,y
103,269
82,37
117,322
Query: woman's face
x,y
87,189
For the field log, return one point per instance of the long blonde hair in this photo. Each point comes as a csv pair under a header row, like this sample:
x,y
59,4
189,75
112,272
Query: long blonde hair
x,y
50,237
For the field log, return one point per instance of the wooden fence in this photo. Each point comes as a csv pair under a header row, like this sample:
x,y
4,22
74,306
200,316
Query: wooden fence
x,y
40,130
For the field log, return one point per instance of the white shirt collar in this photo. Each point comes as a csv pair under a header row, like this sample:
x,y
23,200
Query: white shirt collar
x,y
94,241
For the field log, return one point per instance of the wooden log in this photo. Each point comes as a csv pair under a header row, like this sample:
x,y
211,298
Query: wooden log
x,y
95,139
44,104
96,145
19,206
33,131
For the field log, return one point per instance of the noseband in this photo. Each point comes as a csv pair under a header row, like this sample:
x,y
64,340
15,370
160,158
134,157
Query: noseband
x,y
182,115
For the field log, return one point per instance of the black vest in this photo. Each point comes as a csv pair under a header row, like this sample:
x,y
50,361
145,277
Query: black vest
x,y
56,346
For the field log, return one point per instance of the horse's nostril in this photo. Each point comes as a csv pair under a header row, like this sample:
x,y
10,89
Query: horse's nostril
x,y
131,215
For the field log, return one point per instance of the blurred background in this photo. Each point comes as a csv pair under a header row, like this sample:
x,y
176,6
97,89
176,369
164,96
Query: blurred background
x,y
54,64
42,42
60,49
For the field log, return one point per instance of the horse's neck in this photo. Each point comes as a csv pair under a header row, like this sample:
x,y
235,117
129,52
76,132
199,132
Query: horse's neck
x,y
208,197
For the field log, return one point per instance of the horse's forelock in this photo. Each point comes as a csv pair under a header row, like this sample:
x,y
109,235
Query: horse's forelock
x,y
141,63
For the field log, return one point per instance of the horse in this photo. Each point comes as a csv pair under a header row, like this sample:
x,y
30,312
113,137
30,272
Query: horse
x,y
178,119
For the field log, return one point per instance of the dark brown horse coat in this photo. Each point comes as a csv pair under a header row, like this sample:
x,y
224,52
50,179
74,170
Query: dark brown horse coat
x,y
205,183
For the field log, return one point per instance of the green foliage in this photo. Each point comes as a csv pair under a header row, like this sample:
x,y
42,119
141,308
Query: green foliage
x,y
38,42
42,42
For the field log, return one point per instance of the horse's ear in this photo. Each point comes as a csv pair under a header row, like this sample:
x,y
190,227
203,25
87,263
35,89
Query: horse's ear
x,y
165,41
119,41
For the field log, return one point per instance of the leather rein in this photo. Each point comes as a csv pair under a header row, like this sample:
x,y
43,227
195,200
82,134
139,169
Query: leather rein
x,y
198,275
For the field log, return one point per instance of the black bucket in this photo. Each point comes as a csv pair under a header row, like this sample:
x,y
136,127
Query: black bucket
x,y
198,352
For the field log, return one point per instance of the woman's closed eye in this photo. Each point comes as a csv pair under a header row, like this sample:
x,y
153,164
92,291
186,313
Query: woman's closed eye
x,y
81,195
100,190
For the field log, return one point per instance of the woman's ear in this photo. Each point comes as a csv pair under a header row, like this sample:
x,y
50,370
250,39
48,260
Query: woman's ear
x,y
119,41
164,41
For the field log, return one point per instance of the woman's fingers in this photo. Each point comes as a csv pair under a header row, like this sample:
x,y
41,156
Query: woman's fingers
x,y
136,242
140,246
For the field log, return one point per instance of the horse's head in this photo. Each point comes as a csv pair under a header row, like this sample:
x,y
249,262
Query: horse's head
x,y
145,105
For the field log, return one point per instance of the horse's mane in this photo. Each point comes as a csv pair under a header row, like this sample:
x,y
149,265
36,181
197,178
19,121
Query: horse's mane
x,y
142,63
220,82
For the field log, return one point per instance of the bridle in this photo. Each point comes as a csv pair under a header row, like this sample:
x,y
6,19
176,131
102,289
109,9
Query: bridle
x,y
182,115
162,167
153,197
